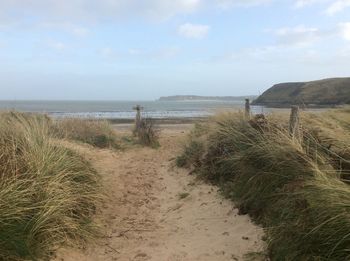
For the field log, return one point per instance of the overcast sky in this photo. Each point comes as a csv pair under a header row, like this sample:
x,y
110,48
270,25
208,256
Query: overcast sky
x,y
143,49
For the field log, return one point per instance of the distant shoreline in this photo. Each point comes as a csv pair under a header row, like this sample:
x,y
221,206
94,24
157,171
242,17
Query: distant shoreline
x,y
189,98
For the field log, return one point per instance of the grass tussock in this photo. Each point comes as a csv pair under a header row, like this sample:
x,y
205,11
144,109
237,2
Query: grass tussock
x,y
94,132
295,187
148,133
194,148
48,193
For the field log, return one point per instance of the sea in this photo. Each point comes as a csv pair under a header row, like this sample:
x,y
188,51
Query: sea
x,y
125,109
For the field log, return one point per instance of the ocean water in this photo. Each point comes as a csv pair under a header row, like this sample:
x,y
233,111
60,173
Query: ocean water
x,y
124,109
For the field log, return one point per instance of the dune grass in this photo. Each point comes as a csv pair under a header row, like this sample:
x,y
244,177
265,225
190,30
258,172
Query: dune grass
x,y
148,133
295,188
97,133
48,193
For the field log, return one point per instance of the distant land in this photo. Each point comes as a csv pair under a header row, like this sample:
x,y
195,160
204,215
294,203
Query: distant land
x,y
327,92
206,98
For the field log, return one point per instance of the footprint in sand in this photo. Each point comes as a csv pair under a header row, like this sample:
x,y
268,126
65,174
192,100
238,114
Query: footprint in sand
x,y
141,256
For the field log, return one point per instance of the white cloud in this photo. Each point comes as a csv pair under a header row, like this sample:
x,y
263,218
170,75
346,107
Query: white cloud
x,y
303,3
168,8
195,31
75,17
163,53
98,10
344,53
82,11
133,51
299,35
241,3
73,29
345,30
302,44
2,44
333,8
56,45
337,6
166,53
80,31
107,52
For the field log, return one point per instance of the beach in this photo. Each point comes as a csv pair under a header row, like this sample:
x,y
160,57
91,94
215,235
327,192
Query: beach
x,y
156,211
185,189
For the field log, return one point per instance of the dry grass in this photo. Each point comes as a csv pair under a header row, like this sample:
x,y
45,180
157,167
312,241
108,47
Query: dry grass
x,y
48,193
294,187
148,133
94,132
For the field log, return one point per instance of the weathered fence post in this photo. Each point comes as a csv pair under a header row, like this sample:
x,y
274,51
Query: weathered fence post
x,y
138,109
294,122
247,109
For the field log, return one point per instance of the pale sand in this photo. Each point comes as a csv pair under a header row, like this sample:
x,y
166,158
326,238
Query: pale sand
x,y
145,219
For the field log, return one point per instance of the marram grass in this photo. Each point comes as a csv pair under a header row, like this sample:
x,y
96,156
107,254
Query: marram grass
x,y
97,133
296,188
48,193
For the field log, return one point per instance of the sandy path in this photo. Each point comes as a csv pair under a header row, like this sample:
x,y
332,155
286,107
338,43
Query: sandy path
x,y
145,218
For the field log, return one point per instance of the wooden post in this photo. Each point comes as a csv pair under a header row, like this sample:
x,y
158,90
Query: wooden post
x,y
138,109
247,109
294,122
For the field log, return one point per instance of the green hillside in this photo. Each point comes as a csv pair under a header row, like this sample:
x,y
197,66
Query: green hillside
x,y
335,91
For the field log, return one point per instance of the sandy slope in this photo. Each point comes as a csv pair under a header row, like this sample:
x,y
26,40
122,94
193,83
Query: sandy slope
x,y
145,218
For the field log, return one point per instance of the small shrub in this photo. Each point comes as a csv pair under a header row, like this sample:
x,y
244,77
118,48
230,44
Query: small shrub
x,y
148,133
94,132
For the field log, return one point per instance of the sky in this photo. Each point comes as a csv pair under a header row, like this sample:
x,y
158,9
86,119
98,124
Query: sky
x,y
144,49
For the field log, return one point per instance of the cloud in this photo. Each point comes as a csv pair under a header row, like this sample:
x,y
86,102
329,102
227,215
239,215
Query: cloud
x,y
97,10
337,6
298,36
344,29
166,53
163,53
302,44
194,31
164,9
333,8
107,52
135,52
303,3
241,3
2,44
344,53
73,29
302,36
56,45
